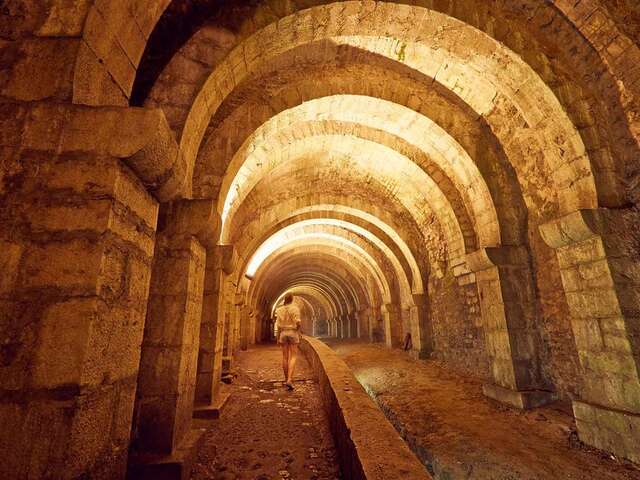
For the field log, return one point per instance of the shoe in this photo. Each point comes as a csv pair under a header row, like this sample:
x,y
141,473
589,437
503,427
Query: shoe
x,y
289,386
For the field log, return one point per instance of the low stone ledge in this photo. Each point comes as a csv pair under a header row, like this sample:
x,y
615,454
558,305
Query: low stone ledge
x,y
368,446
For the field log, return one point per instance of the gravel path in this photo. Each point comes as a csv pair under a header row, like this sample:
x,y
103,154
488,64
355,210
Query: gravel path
x,y
266,432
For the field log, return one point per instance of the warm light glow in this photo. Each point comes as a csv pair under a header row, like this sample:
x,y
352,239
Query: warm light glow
x,y
285,236
264,150
325,222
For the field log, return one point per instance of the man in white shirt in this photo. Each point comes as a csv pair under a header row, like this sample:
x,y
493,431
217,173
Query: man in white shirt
x,y
288,335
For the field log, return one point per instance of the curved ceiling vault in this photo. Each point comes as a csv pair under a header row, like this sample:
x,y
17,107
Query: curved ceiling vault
x,y
358,150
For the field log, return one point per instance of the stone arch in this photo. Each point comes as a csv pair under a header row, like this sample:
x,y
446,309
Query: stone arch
x,y
413,189
357,224
572,148
372,245
464,188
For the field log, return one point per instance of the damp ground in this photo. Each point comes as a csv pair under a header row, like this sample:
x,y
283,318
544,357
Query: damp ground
x,y
460,434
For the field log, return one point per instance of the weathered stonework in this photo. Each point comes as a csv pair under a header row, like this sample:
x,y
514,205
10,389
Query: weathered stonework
x,y
79,265
598,253
461,174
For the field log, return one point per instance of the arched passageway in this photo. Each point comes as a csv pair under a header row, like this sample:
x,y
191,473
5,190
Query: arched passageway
x,y
459,173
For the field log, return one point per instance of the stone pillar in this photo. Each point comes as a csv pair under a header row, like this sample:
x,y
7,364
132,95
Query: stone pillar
x,y
220,263
228,348
353,325
505,287
346,325
599,263
262,326
168,364
421,330
392,325
77,228
253,326
238,309
245,327
376,325
363,322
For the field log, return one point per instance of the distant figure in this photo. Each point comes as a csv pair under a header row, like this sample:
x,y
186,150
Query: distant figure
x,y
288,335
408,343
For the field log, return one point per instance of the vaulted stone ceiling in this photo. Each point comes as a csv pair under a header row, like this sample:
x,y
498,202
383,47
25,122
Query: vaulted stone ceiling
x,y
424,162
471,124
402,138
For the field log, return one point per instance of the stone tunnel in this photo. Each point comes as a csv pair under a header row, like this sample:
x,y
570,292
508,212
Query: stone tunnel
x,y
449,189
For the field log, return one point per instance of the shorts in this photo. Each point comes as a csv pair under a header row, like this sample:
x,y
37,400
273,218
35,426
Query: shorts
x,y
289,336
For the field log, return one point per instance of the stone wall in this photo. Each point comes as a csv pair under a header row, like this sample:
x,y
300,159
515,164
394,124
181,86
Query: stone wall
x,y
368,445
77,242
458,332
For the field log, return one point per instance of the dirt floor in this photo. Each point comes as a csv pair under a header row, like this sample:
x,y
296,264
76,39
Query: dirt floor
x,y
265,431
460,434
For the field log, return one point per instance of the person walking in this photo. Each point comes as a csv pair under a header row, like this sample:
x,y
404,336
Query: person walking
x,y
288,334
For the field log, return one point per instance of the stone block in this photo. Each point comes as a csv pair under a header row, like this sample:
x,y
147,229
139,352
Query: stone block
x,y
524,400
35,437
64,18
118,335
100,35
10,255
503,373
613,325
126,31
205,360
198,218
138,279
155,424
594,303
587,251
214,409
159,371
82,173
93,85
92,216
43,127
616,343
112,280
64,335
613,430
587,334
165,324
175,466
48,65
608,361
90,442
227,258
130,191
12,123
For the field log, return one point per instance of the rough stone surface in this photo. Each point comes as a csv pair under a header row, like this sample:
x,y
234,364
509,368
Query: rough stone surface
x,y
274,433
368,448
458,433
459,179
